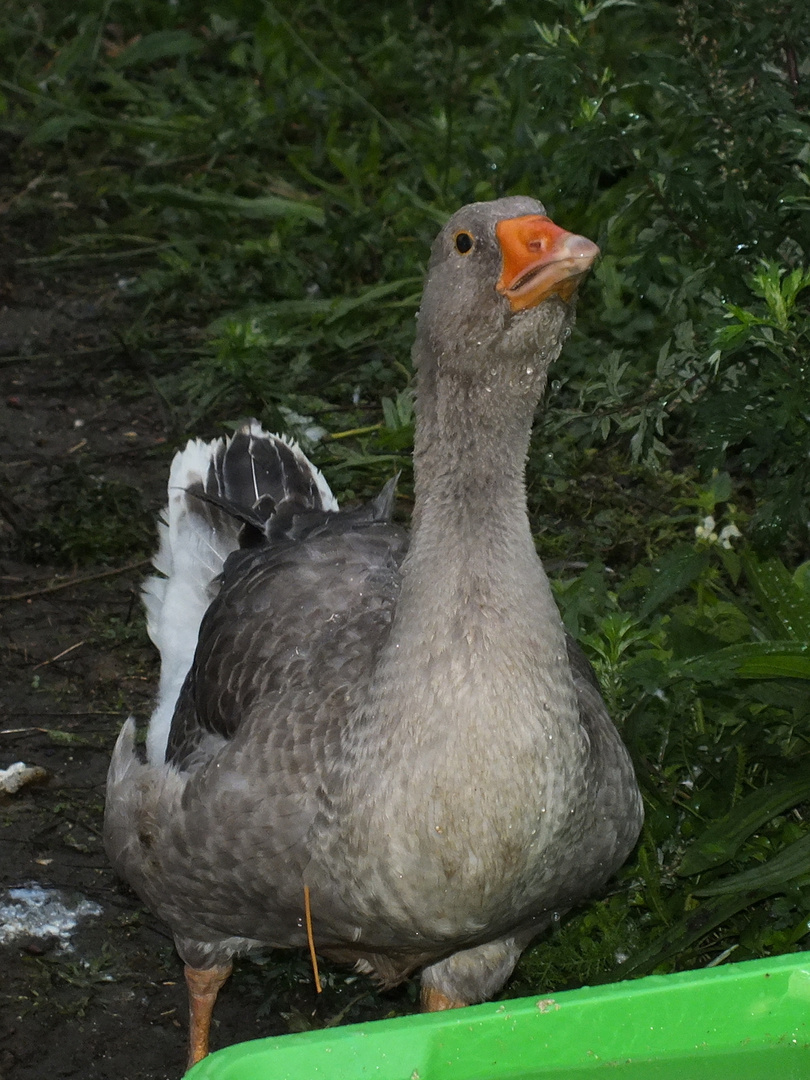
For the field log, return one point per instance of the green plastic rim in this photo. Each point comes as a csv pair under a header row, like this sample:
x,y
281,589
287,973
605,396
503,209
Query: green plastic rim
x,y
748,1021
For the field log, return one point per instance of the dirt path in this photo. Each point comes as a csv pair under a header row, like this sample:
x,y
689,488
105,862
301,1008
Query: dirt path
x,y
91,986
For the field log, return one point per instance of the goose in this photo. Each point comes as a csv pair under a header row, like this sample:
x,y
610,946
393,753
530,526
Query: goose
x,y
384,746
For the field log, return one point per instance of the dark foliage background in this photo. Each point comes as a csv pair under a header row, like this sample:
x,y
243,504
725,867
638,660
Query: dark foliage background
x,y
267,179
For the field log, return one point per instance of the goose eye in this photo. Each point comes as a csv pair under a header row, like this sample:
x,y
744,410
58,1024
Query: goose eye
x,y
464,243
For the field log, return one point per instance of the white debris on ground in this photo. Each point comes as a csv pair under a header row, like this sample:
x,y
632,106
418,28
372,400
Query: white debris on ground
x,y
18,775
32,911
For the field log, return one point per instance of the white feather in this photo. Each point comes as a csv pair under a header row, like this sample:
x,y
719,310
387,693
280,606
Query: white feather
x,y
189,559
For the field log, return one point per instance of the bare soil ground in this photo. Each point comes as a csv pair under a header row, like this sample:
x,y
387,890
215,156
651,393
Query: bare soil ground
x,y
83,443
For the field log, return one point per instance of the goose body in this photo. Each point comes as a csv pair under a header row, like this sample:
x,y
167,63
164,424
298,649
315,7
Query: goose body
x,y
399,726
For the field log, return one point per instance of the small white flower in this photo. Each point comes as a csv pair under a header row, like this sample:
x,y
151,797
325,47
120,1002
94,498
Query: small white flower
x,y
727,534
705,531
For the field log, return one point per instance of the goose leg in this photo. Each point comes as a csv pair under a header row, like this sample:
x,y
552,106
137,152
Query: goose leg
x,y
433,1000
203,986
471,975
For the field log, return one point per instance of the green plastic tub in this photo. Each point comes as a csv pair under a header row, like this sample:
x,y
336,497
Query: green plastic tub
x,y
747,1021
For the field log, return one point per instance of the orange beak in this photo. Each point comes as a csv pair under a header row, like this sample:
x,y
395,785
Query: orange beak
x,y
540,260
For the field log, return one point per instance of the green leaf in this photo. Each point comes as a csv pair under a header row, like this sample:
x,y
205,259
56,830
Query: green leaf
x,y
685,932
56,128
370,295
267,207
679,568
776,666
597,9
720,487
162,45
801,575
784,602
723,839
774,875
753,660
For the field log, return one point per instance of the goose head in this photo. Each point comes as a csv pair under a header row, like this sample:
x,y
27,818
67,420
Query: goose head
x,y
499,298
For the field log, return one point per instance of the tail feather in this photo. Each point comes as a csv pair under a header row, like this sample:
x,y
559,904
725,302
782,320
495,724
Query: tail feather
x,y
253,464
214,489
